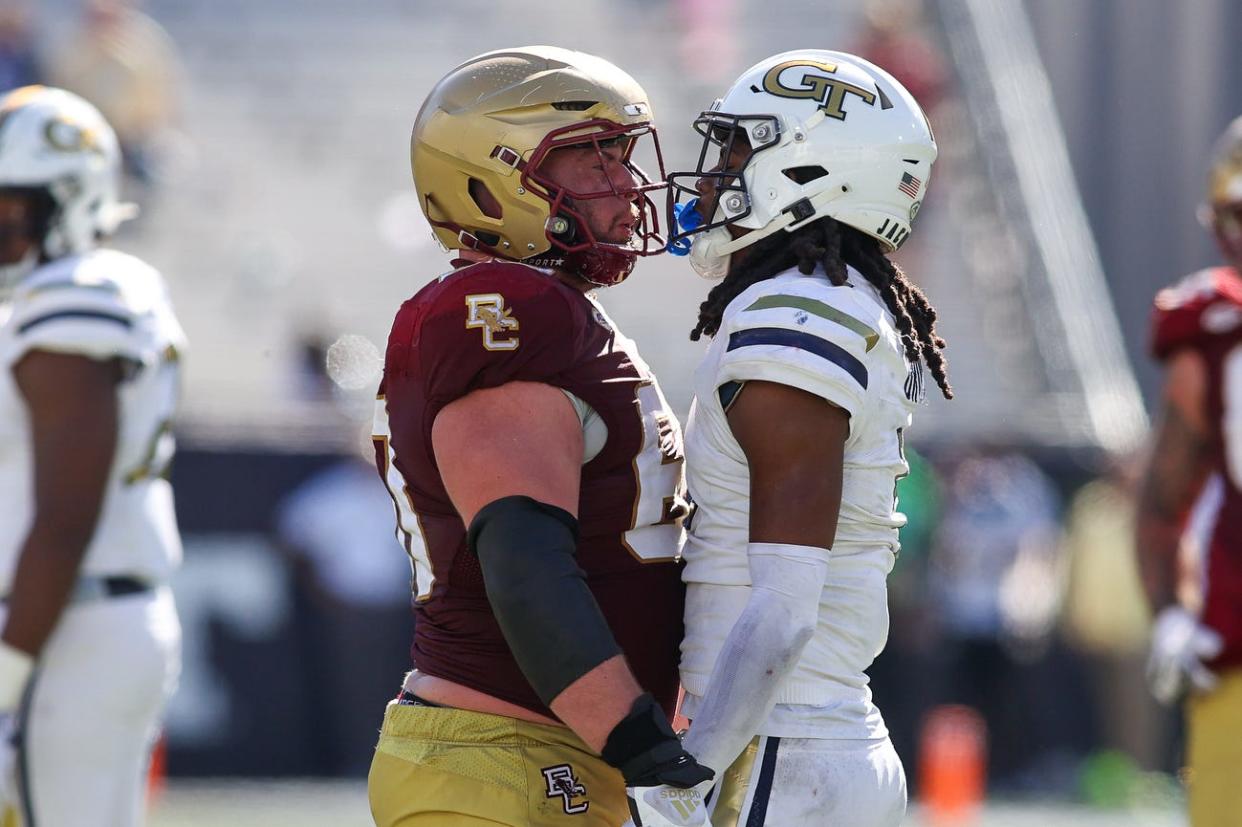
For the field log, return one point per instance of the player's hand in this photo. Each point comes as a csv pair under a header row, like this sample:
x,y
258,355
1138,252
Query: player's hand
x,y
670,794
1179,646
8,760
15,669
667,806
660,776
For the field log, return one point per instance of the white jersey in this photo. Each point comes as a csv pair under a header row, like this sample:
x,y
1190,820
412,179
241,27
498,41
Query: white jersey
x,y
104,305
839,343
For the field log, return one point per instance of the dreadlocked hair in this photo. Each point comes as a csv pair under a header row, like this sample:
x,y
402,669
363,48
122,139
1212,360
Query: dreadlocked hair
x,y
831,245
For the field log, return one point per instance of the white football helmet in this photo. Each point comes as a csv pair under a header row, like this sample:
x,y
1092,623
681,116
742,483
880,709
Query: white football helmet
x,y
54,141
830,134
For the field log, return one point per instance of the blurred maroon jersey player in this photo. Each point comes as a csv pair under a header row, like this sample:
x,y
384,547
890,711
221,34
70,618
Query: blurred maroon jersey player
x,y
1197,336
456,336
1202,314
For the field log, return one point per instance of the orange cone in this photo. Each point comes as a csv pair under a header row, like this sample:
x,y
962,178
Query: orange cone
x,y
158,769
952,765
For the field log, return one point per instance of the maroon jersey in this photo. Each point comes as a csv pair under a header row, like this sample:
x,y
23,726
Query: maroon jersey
x,y
1203,312
480,327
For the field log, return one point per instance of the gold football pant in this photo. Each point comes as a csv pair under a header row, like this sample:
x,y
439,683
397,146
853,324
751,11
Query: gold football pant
x,y
1214,753
439,767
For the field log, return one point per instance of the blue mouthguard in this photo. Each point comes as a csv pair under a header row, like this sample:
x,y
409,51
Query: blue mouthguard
x,y
687,219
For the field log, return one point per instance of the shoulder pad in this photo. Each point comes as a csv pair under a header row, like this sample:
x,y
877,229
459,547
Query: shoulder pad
x,y
806,335
93,304
1200,307
838,312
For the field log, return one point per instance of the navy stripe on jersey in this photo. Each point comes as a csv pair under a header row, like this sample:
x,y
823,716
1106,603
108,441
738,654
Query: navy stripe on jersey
x,y
77,314
822,348
763,787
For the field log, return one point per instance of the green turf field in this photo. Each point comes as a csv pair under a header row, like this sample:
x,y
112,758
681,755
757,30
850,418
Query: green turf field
x,y
344,804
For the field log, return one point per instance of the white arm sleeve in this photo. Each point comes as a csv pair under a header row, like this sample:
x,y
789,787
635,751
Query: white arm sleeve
x,y
760,651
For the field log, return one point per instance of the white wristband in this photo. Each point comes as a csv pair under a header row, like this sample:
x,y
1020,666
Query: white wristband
x,y
15,669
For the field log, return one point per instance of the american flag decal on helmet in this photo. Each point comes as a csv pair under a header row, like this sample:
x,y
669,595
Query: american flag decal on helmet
x,y
909,185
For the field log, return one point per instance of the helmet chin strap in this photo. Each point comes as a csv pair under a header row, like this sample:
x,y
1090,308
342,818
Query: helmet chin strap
x,y
711,252
705,254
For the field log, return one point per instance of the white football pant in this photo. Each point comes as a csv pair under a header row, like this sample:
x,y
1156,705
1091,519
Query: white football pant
x,y
812,782
93,712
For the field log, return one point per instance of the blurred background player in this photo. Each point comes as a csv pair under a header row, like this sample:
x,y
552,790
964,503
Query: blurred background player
x,y
1196,331
126,64
994,577
91,351
353,605
19,60
794,444
534,464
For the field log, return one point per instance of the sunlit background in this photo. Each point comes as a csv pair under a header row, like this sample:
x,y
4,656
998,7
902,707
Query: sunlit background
x,y
267,143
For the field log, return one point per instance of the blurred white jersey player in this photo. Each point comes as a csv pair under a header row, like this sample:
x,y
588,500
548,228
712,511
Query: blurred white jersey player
x,y
794,442
89,364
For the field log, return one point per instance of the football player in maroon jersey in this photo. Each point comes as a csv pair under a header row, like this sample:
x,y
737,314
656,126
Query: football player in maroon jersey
x,y
534,464
1197,334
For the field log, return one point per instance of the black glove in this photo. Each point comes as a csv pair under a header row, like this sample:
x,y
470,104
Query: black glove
x,y
647,751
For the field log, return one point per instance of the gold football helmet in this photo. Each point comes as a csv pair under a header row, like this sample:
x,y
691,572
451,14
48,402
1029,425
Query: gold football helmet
x,y
493,119
1223,211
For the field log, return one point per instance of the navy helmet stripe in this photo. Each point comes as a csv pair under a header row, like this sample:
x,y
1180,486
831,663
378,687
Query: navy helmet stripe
x,y
76,314
803,341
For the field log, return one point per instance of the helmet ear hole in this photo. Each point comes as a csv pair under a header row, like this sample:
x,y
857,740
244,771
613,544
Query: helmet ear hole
x,y
484,200
804,175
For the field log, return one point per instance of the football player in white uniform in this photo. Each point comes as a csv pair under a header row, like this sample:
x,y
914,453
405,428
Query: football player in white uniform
x,y
89,350
794,442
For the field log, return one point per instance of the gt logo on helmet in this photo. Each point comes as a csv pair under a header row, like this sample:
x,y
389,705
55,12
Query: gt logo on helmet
x,y
66,136
830,92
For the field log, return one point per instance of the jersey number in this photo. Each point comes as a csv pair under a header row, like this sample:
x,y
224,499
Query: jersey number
x,y
660,503
409,528
158,455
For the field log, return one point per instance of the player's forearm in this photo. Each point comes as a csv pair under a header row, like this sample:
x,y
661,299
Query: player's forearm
x,y
42,583
595,703
549,617
759,653
1175,472
1157,540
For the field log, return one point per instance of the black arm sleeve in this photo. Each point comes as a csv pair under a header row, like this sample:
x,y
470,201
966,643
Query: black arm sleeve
x,y
557,633
540,597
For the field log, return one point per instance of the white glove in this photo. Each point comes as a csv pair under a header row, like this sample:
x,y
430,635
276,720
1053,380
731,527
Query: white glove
x,y
9,795
1179,645
665,806
15,669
